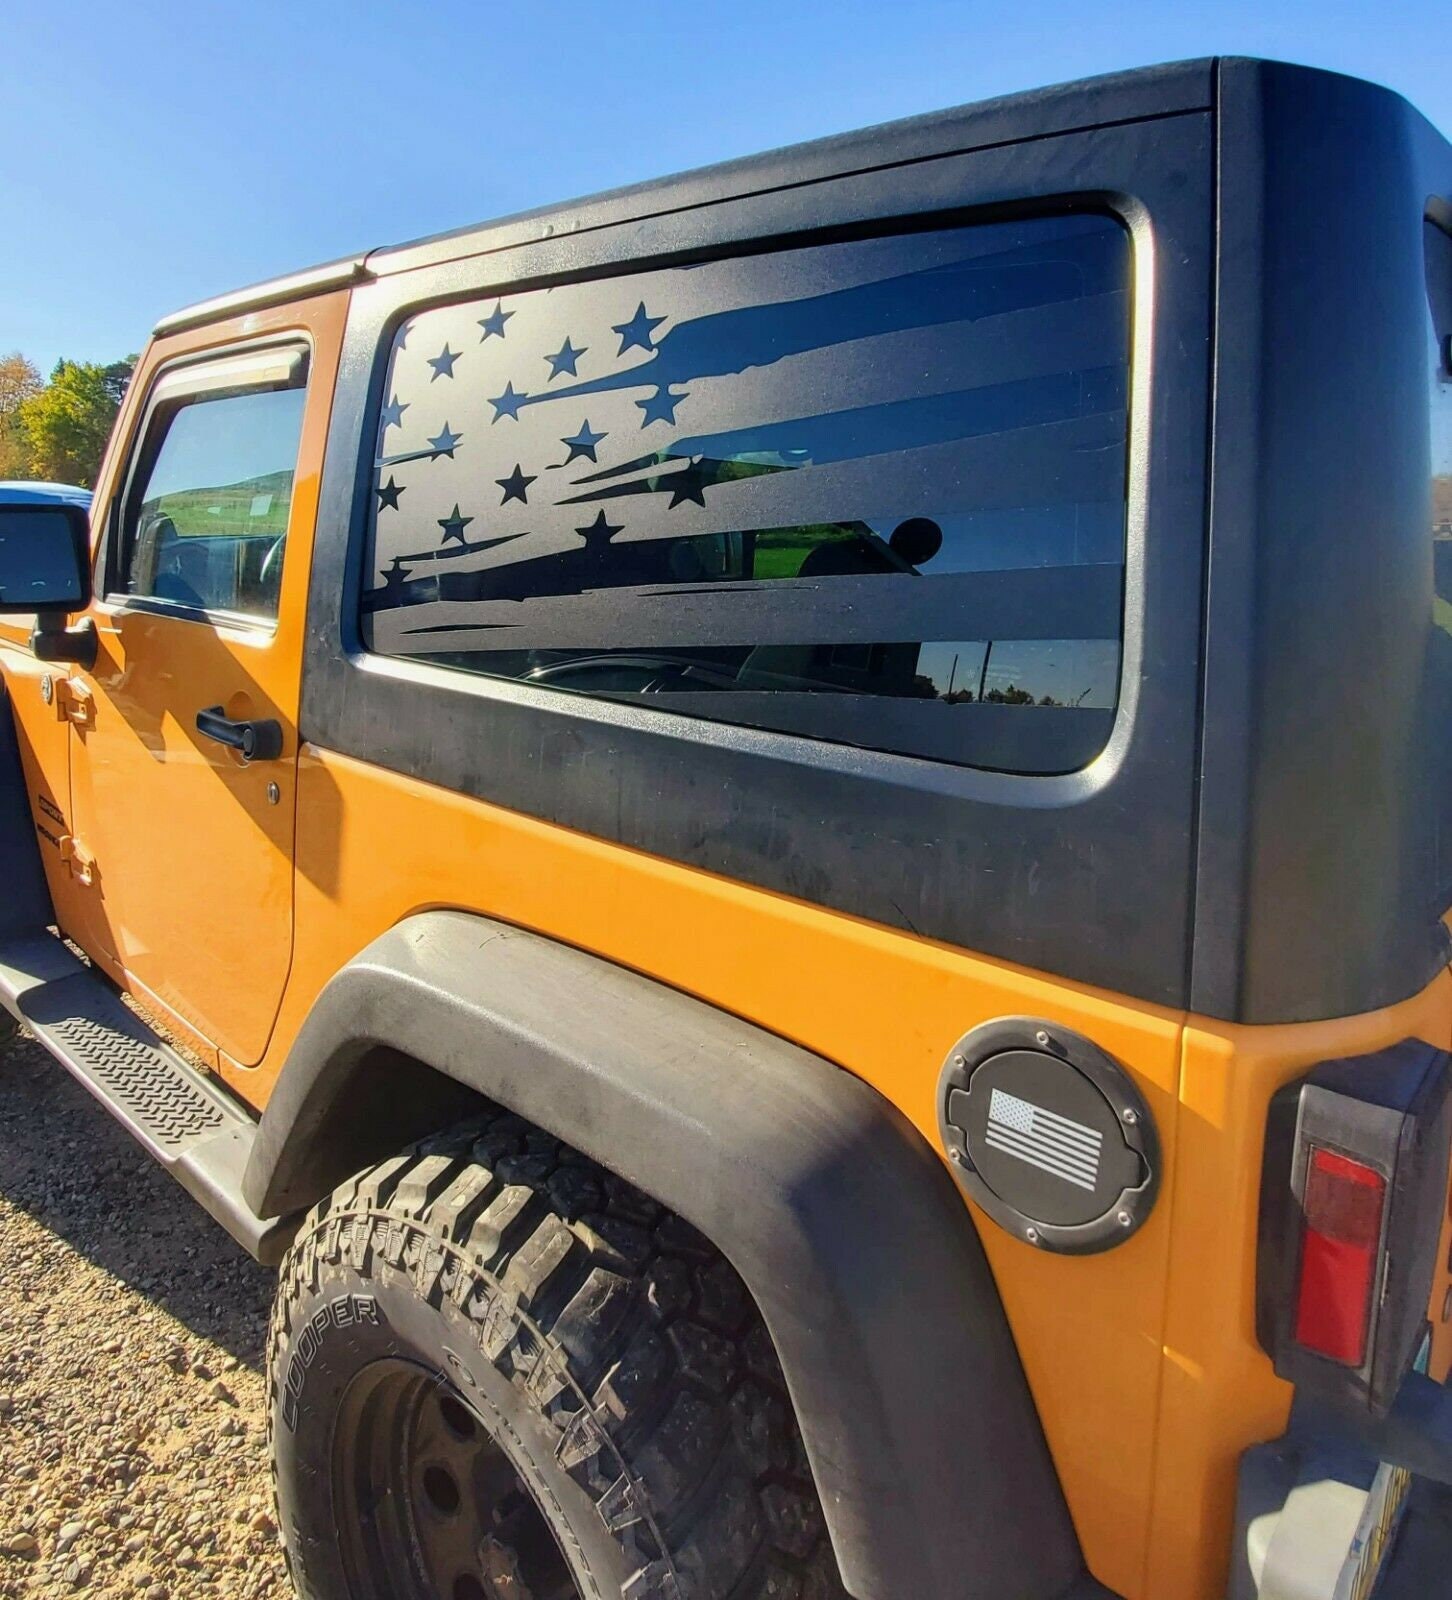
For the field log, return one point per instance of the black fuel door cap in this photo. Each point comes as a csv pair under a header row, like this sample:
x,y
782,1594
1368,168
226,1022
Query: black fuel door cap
x,y
1049,1134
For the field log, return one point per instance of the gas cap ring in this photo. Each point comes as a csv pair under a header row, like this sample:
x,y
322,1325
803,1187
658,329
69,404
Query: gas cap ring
x,y
1049,1135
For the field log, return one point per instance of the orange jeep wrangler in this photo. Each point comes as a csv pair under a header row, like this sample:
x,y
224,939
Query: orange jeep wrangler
x,y
795,826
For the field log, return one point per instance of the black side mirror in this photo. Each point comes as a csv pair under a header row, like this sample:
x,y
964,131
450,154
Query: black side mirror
x,y
45,569
45,559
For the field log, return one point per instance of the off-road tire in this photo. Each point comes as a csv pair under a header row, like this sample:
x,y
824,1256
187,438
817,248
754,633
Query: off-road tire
x,y
612,1354
9,1029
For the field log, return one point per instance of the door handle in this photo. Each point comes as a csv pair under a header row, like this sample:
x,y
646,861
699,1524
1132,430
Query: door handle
x,y
257,741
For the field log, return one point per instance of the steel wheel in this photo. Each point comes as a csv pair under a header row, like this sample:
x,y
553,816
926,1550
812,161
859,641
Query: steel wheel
x,y
430,1506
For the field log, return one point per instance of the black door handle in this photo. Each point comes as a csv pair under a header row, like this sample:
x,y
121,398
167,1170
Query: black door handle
x,y
258,741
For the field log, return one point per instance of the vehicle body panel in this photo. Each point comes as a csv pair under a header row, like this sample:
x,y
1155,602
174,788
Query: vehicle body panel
x,y
1014,867
164,816
884,1004
1322,834
805,1178
1220,1391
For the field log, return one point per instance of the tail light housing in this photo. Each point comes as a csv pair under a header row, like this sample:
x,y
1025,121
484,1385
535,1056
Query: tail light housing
x,y
1353,1192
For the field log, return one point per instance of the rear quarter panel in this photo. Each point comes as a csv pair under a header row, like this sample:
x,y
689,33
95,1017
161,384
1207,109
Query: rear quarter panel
x,y
375,846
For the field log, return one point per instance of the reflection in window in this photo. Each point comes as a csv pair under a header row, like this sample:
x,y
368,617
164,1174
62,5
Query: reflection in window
x,y
1053,672
1439,369
1437,750
774,490
209,530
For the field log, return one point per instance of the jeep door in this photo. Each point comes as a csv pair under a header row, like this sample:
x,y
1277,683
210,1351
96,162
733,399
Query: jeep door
x,y
184,735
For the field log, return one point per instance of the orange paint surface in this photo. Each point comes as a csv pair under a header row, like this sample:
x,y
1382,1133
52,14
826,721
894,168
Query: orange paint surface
x,y
187,893
374,847
1221,1394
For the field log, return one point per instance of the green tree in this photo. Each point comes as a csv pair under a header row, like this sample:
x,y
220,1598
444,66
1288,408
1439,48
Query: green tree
x,y
65,427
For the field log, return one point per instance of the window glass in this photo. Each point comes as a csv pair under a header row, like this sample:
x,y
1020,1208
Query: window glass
x,y
872,492
1439,367
210,514
1437,748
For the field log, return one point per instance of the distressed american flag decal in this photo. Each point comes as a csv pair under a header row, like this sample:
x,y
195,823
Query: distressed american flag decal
x,y
552,465
1069,1150
813,490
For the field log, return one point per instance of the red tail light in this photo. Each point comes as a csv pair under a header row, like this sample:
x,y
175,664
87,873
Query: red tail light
x,y
1353,1197
1340,1251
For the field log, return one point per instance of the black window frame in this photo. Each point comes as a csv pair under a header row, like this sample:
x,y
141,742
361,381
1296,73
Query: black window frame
x,y
1086,874
153,423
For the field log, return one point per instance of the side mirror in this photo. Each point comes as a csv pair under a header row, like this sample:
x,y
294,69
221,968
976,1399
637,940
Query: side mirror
x,y
45,569
45,559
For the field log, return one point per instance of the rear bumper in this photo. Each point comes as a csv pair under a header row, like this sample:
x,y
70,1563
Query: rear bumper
x,y
1309,1504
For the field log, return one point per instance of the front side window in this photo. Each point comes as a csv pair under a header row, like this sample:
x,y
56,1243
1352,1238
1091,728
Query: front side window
x,y
207,511
869,492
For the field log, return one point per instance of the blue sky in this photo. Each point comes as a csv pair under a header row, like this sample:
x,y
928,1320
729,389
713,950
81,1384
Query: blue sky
x,y
159,152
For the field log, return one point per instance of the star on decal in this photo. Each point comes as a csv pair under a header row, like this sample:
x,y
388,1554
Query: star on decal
x,y
454,525
494,322
599,532
688,484
444,444
583,443
508,403
388,494
514,486
661,406
395,578
564,360
636,334
443,364
392,414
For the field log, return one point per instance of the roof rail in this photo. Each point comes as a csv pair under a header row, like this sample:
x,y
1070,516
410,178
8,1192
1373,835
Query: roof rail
x,y
331,275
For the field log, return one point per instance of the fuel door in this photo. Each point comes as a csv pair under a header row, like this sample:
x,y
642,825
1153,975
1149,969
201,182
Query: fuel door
x,y
1049,1135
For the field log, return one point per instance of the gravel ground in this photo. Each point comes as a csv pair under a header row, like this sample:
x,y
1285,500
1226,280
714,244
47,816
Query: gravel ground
x,y
133,1456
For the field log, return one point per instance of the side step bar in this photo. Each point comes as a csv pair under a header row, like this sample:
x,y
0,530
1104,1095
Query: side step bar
x,y
189,1123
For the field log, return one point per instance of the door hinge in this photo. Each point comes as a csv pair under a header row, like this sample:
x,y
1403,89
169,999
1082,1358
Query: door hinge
x,y
72,699
80,860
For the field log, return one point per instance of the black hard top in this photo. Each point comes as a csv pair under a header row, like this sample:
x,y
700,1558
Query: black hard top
x,y
1271,838
1145,92
1133,96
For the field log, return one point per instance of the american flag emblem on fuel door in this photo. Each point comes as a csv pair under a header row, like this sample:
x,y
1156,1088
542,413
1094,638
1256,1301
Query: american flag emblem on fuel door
x,y
1069,1150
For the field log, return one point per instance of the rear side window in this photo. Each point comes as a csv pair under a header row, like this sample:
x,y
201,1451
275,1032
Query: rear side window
x,y
208,500
1439,367
868,492
1437,750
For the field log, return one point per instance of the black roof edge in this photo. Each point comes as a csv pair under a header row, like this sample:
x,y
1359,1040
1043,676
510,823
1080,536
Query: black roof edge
x,y
1135,95
1132,96
1036,113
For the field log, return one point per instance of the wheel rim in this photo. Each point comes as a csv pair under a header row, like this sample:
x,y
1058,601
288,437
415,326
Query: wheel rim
x,y
430,1506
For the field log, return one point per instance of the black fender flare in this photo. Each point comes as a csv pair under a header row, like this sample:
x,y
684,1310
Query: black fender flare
x,y
923,1438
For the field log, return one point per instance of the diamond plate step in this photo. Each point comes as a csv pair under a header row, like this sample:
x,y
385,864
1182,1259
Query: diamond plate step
x,y
191,1125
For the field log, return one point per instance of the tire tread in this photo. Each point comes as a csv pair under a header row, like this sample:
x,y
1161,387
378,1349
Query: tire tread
x,y
632,1336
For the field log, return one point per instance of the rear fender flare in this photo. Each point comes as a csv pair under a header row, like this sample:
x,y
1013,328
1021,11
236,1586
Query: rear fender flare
x,y
923,1438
